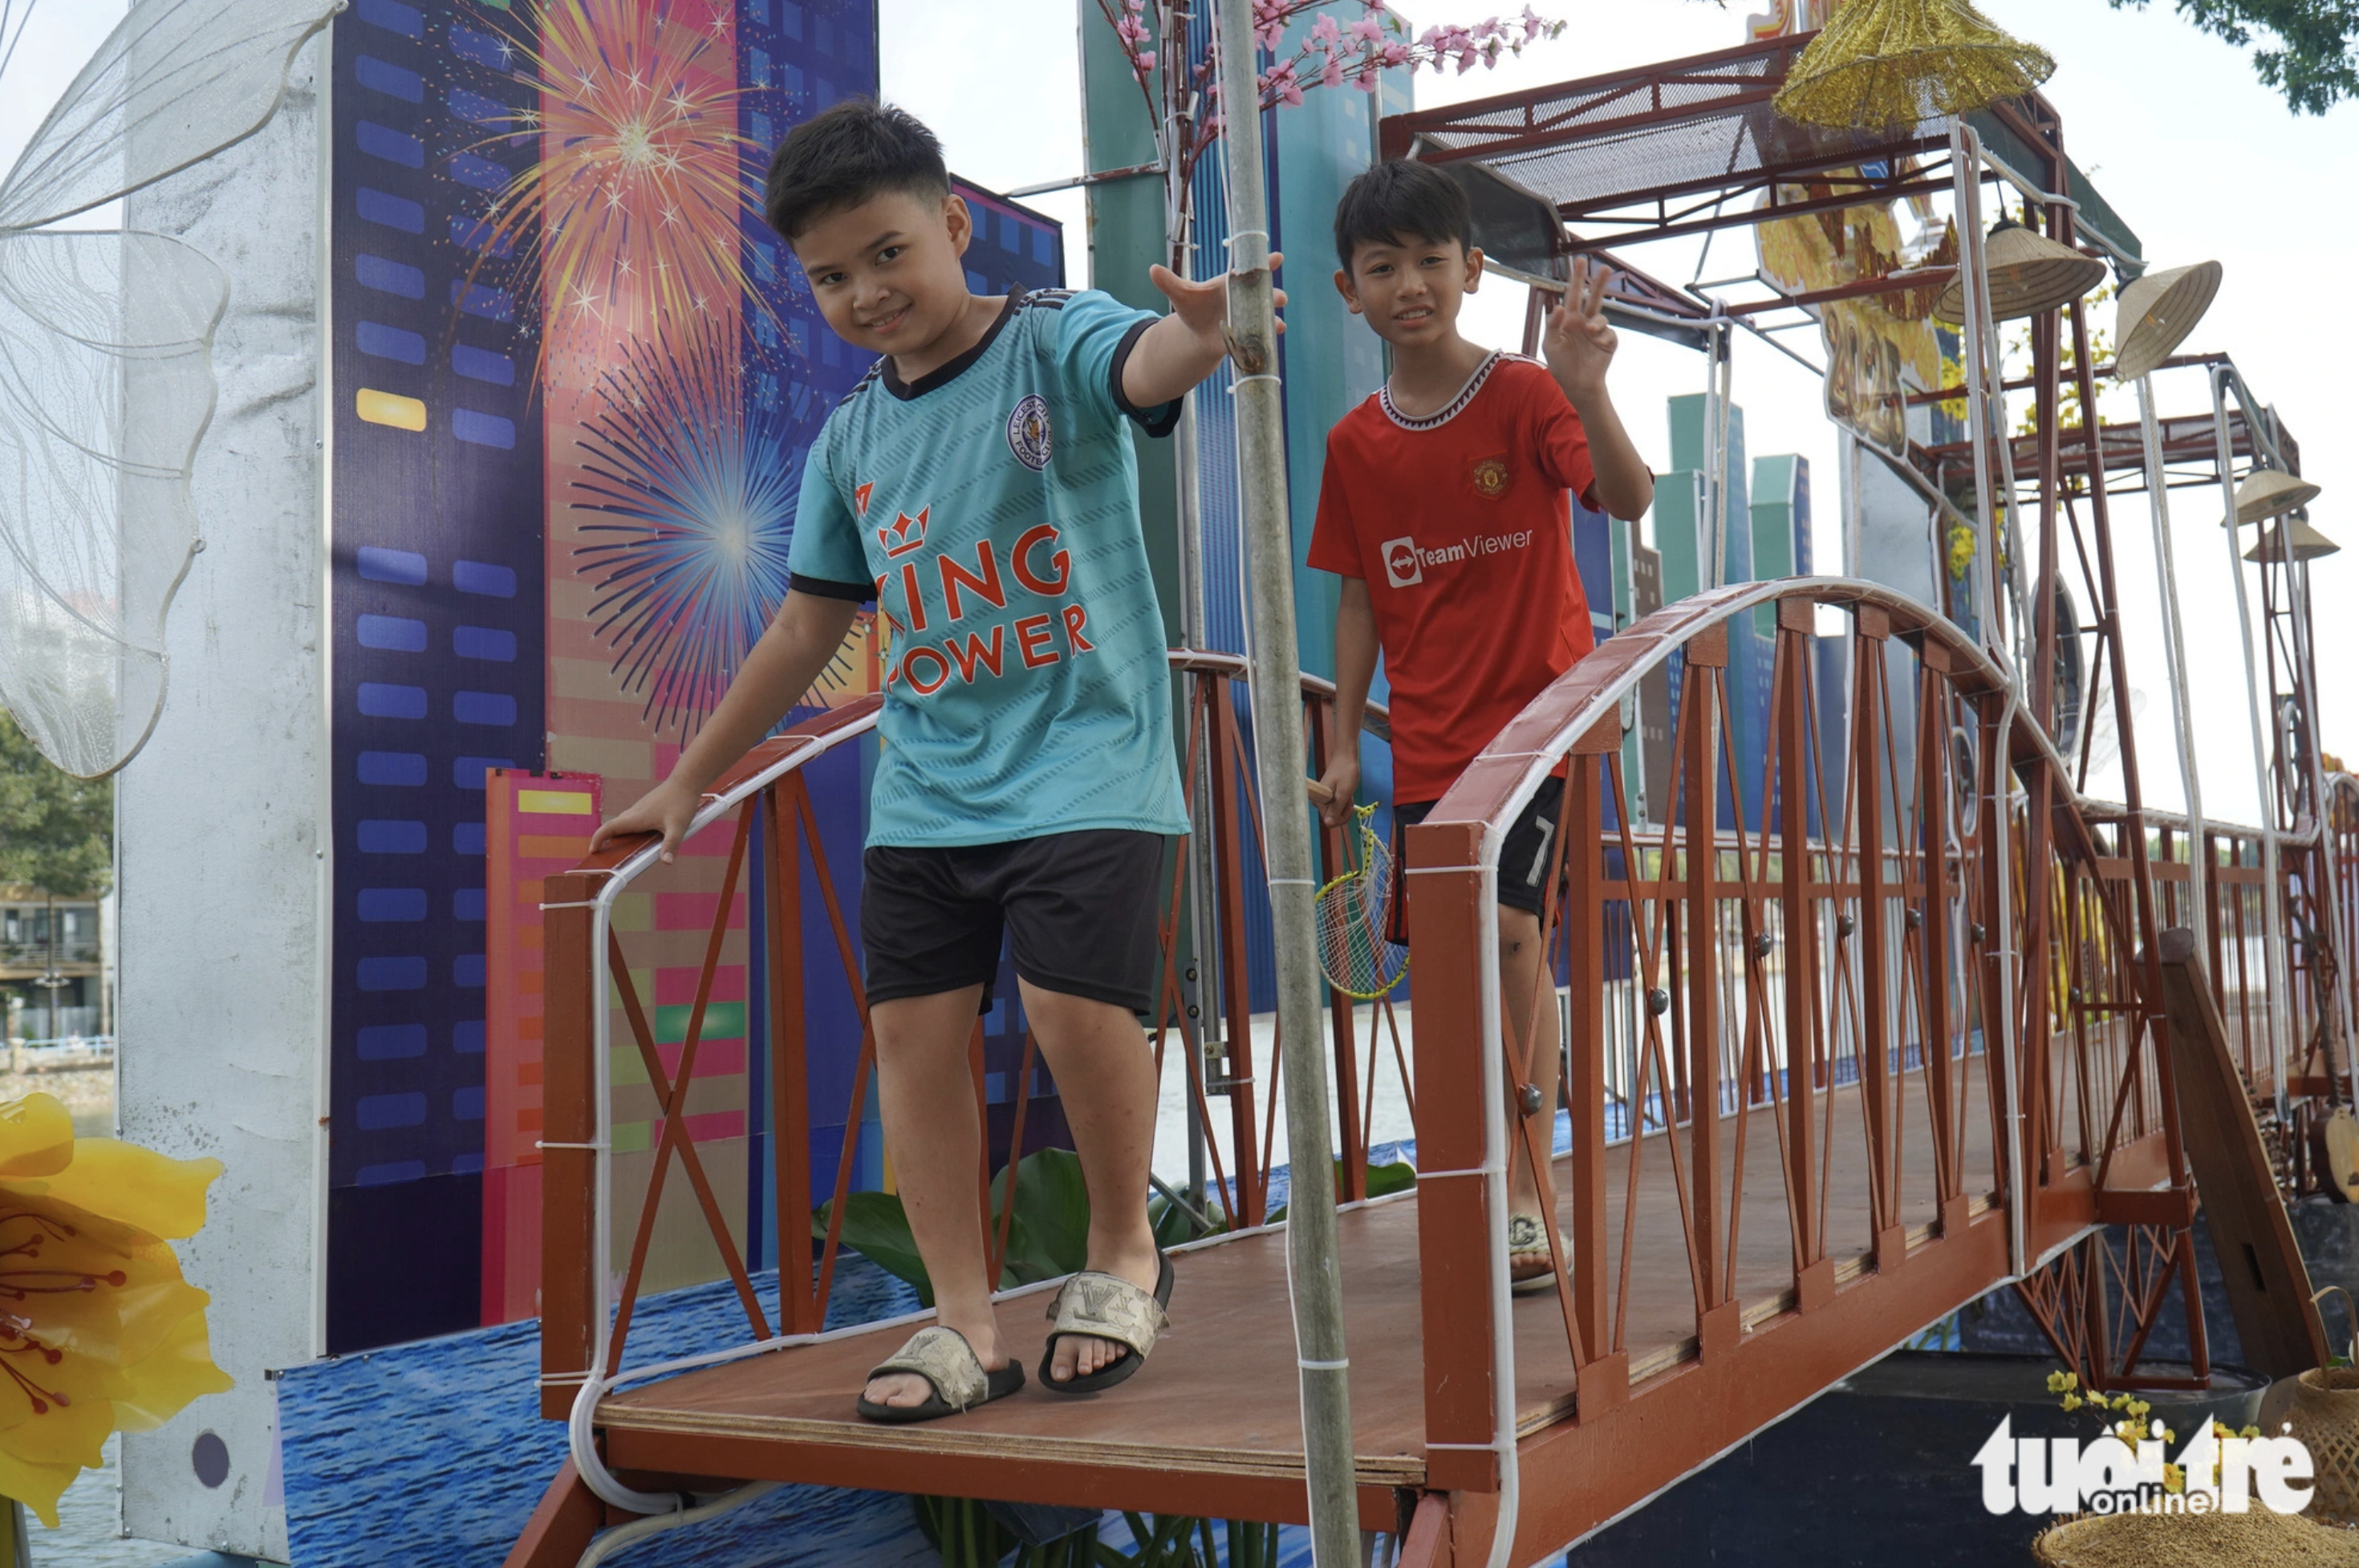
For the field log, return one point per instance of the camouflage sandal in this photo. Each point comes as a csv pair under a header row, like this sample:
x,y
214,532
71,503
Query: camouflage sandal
x,y
1525,1234
1107,1307
942,1357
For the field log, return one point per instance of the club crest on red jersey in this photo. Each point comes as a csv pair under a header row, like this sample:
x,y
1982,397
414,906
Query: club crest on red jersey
x,y
1489,477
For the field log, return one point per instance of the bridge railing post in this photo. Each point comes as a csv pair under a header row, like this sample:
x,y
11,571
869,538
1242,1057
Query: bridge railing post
x,y
571,1311
1457,1012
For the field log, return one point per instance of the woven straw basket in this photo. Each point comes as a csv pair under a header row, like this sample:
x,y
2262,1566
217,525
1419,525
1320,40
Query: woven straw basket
x,y
2257,1539
2322,1406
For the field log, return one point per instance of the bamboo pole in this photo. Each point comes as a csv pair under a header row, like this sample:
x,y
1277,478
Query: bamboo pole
x,y
1314,1276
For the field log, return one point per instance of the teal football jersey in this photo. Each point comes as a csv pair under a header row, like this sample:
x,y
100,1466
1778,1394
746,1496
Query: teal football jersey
x,y
991,510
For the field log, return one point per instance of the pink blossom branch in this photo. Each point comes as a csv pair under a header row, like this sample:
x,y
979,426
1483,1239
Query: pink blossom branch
x,y
1331,54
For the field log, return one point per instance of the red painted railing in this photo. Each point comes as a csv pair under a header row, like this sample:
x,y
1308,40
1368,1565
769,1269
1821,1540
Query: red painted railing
x,y
585,1329
1832,1072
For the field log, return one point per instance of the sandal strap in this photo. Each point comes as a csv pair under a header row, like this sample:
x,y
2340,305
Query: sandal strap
x,y
1108,1307
1525,1234
943,1358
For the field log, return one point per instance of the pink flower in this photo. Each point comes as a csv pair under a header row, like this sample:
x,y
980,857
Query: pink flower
x,y
1395,53
1280,83
1324,32
1145,63
1532,24
1366,81
1129,31
1271,17
1332,75
1366,31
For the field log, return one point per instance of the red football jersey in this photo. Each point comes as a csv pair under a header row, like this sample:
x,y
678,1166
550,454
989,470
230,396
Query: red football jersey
x,y
1460,525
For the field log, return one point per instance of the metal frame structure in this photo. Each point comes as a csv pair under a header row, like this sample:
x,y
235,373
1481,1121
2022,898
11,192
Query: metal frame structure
x,y
1823,1089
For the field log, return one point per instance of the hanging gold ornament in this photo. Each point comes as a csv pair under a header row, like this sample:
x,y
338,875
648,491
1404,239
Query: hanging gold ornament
x,y
1897,62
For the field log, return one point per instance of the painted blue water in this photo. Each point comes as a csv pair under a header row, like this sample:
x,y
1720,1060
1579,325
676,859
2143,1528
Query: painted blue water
x,y
432,1455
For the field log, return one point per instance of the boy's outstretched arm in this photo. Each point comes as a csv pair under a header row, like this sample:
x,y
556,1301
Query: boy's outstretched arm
x,y
1175,354
801,638
1580,346
1355,667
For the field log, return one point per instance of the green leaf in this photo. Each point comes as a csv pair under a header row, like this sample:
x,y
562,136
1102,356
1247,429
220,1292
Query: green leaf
x,y
1030,1260
1396,1176
877,1227
1172,1225
1052,1205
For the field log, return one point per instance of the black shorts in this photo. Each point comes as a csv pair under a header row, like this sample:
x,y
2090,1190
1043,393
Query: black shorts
x,y
1524,860
1081,907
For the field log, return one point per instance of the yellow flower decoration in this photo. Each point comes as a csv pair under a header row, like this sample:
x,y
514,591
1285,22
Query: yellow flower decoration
x,y
2073,1401
2174,1479
2059,1381
2137,1407
98,1330
1961,543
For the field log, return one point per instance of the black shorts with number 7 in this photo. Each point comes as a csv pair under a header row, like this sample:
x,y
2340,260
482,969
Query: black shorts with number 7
x,y
1524,860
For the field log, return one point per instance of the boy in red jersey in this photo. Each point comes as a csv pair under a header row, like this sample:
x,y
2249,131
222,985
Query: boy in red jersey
x,y
1443,510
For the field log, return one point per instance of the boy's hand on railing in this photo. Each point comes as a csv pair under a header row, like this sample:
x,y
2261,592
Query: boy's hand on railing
x,y
667,809
1341,784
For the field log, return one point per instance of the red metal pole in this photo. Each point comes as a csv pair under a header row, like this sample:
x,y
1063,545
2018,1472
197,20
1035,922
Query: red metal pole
x,y
799,1301
570,1307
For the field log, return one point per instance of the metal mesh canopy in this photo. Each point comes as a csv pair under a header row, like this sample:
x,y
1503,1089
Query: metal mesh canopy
x,y
1628,146
1690,126
106,378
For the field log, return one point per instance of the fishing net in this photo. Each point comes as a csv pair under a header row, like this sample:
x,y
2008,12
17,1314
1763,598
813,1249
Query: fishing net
x,y
1898,62
1353,913
106,380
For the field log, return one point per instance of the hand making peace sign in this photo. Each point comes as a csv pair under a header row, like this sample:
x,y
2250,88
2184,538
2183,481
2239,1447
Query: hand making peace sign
x,y
1580,341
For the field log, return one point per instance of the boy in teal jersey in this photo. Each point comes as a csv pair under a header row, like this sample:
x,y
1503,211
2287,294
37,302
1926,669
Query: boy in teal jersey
x,y
978,485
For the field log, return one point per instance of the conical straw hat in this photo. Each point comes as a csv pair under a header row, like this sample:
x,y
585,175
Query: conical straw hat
x,y
1895,62
2269,492
2307,543
2028,275
2158,312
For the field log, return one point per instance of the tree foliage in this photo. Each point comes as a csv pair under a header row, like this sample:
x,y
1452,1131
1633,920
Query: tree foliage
x,y
2309,50
56,831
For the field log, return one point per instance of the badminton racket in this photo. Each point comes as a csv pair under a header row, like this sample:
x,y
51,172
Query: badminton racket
x,y
1354,910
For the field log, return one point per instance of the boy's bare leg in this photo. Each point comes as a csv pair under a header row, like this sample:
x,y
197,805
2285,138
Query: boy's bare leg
x,y
925,1093
1529,1002
1106,1079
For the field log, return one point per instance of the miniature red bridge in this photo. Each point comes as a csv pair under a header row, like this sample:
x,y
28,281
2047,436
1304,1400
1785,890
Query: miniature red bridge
x,y
1833,1071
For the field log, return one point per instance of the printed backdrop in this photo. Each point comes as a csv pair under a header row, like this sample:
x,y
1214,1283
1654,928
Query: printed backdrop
x,y
575,377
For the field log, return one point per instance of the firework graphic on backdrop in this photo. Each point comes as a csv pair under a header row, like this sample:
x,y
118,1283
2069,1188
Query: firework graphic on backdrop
x,y
698,480
641,175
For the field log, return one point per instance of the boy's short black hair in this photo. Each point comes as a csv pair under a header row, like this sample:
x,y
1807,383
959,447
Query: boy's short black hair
x,y
844,155
1396,199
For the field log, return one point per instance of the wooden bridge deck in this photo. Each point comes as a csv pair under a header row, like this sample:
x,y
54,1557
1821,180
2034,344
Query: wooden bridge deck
x,y
1212,1424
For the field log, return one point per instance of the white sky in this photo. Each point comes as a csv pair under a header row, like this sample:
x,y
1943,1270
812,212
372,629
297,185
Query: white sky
x,y
2197,157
